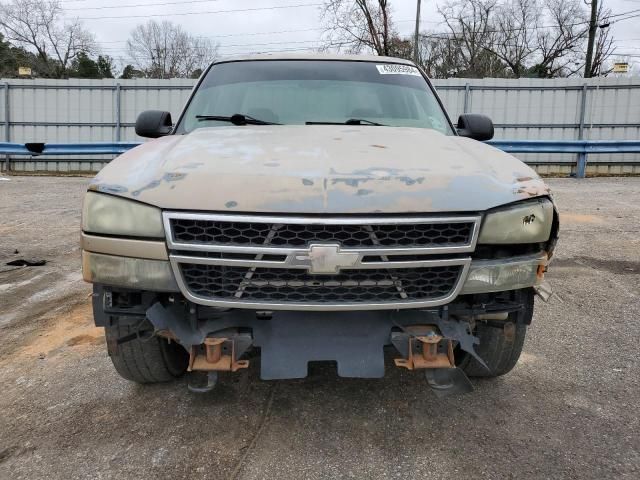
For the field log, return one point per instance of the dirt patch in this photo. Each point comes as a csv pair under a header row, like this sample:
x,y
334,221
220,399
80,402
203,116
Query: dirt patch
x,y
73,328
85,339
14,450
619,267
579,218
7,452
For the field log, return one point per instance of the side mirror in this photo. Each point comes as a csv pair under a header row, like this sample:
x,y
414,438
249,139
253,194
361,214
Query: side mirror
x,y
473,125
153,124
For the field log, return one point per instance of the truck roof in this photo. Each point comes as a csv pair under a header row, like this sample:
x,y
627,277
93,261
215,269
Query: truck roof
x,y
313,56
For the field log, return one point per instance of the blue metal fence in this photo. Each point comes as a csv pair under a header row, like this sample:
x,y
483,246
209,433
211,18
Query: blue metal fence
x,y
36,149
581,147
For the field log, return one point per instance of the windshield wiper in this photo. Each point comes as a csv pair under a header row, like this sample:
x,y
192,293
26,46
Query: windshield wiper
x,y
236,119
351,121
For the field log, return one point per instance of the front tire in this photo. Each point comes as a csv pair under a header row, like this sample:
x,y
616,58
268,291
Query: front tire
x,y
499,351
144,360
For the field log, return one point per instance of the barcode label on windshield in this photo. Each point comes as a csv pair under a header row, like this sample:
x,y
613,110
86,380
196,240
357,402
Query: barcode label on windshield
x,y
395,69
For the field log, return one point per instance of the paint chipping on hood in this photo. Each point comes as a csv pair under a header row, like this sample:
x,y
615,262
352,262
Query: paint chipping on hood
x,y
322,169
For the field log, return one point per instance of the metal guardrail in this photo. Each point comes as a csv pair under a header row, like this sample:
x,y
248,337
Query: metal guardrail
x,y
581,147
36,149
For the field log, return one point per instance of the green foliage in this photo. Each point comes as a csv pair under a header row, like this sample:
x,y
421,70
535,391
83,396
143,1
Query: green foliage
x,y
11,58
538,71
402,48
131,72
105,66
83,67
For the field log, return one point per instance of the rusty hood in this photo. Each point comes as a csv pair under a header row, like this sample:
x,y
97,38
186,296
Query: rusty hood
x,y
319,169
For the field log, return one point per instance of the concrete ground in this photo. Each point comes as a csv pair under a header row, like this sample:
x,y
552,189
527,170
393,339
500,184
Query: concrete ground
x,y
568,410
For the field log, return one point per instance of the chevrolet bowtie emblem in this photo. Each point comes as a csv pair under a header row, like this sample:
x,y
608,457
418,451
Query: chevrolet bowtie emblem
x,y
327,259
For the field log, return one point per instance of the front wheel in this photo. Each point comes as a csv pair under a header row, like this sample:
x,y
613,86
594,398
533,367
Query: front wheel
x,y
500,351
144,360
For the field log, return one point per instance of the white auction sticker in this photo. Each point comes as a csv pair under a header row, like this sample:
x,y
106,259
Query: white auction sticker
x,y
395,69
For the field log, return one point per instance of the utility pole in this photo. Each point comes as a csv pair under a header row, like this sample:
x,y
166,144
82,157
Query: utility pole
x,y
416,40
593,28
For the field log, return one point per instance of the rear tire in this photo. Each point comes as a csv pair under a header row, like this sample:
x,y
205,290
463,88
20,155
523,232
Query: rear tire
x,y
498,351
148,360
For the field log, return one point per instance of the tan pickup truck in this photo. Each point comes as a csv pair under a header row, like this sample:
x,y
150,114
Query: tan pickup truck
x,y
315,208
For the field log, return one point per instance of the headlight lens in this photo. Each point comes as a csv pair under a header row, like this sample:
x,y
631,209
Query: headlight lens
x,y
117,216
139,273
526,222
497,276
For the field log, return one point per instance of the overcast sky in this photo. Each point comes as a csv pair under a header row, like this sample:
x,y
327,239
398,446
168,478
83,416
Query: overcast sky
x,y
269,25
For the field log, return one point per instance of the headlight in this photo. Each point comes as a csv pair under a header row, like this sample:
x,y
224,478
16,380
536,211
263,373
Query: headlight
x,y
138,273
500,275
117,216
526,222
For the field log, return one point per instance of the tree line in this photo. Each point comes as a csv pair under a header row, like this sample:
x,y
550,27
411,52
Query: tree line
x,y
35,34
475,38
479,38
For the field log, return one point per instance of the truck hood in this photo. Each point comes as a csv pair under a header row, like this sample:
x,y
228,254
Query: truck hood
x,y
319,169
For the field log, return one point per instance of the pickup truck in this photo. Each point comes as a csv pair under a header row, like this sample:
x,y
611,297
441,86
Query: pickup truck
x,y
310,208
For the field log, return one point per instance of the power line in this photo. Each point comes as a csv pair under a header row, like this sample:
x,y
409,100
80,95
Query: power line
x,y
203,13
623,13
241,34
626,18
239,44
262,44
516,29
440,35
136,5
320,41
251,34
251,52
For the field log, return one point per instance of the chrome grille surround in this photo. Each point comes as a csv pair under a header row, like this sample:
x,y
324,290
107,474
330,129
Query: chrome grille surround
x,y
319,259
289,234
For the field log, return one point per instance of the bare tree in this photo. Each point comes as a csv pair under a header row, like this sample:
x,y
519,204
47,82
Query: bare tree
x,y
357,25
471,26
39,25
559,45
479,38
516,22
439,55
166,50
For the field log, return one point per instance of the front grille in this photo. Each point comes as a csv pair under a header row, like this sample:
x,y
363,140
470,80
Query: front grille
x,y
288,285
196,231
320,263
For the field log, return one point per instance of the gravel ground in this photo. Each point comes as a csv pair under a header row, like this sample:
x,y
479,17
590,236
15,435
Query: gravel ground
x,y
568,410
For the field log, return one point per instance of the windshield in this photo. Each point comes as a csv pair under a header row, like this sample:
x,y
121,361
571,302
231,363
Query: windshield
x,y
299,92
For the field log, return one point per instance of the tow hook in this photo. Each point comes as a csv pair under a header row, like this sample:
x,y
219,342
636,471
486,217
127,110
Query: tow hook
x,y
216,354
430,357
425,348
